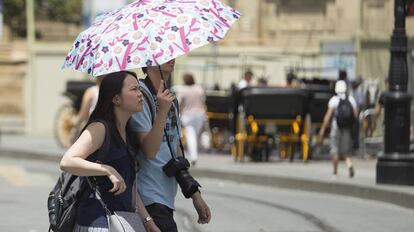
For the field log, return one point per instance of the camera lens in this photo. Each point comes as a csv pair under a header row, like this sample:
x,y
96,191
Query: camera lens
x,y
187,183
179,168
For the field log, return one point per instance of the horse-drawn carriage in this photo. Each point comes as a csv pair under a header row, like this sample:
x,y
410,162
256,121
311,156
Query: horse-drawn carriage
x,y
220,118
271,116
268,118
64,119
318,105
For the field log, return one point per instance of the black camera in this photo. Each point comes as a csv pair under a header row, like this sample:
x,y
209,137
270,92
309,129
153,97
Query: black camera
x,y
178,168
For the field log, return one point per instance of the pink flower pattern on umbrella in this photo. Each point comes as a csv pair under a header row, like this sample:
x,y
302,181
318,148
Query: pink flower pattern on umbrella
x,y
148,32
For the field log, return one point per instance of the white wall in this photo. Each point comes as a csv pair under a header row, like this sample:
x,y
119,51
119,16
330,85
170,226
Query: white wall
x,y
44,88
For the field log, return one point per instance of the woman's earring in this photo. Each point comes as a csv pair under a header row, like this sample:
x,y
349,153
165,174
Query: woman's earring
x,y
117,101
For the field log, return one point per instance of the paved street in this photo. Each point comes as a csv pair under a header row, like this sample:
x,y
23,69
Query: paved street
x,y
248,208
235,206
25,185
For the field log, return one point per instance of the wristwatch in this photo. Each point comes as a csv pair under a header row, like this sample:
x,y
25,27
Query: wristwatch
x,y
147,219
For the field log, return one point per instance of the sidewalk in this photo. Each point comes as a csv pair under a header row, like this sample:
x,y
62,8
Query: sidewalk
x,y
312,176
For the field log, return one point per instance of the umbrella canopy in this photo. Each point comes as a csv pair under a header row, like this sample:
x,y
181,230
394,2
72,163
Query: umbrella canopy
x,y
148,33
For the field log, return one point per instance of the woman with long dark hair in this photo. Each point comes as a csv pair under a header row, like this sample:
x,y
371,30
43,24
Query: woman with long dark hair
x,y
114,174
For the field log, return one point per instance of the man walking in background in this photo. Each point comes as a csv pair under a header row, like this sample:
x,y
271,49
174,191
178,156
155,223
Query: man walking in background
x,y
342,113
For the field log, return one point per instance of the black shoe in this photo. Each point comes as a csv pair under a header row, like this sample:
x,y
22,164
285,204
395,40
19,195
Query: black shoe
x,y
351,172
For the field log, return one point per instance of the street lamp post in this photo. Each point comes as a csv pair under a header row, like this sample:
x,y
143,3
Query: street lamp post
x,y
30,81
396,165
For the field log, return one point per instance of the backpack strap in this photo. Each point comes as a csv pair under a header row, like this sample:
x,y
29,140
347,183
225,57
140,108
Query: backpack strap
x,y
151,103
150,100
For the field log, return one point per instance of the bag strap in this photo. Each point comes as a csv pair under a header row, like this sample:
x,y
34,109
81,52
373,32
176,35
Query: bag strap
x,y
178,118
151,104
101,155
102,152
98,196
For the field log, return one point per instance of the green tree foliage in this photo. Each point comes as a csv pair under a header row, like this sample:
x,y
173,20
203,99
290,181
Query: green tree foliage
x,y
68,11
61,10
14,15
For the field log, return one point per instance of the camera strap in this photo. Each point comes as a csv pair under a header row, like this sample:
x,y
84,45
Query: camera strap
x,y
151,95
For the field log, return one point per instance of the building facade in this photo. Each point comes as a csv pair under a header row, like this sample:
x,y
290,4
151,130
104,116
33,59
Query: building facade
x,y
314,37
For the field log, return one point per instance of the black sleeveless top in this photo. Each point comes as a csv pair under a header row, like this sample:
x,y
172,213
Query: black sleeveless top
x,y
90,212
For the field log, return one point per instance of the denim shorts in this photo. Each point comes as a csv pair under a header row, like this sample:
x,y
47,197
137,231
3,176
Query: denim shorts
x,y
340,141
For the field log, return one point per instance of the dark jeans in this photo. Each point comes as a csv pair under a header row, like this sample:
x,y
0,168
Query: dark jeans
x,y
163,217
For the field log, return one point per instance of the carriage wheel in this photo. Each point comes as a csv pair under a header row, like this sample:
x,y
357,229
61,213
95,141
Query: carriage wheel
x,y
64,129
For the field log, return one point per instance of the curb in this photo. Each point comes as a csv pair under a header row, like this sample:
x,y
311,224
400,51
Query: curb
x,y
364,192
370,193
4,152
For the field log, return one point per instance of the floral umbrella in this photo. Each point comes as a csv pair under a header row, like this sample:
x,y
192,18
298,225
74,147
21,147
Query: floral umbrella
x,y
148,33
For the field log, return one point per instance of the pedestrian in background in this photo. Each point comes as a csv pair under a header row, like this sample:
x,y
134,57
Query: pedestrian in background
x,y
235,92
89,100
343,76
262,82
246,81
379,106
192,101
291,81
341,114
216,87
358,94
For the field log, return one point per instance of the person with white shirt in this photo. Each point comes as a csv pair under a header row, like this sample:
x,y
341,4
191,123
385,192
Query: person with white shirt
x,y
192,101
89,100
246,81
340,136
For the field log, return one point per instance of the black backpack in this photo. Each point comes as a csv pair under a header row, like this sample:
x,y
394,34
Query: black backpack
x,y
64,198
345,117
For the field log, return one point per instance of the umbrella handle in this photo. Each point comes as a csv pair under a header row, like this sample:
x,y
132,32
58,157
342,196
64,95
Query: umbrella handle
x,y
162,77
